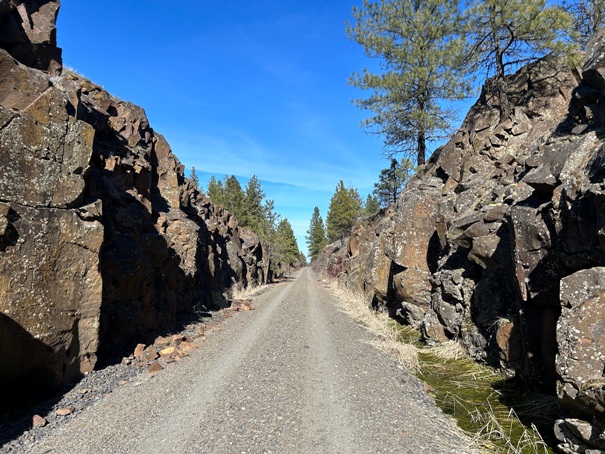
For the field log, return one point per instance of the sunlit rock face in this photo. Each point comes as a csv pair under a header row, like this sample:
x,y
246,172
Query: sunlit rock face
x,y
103,242
498,243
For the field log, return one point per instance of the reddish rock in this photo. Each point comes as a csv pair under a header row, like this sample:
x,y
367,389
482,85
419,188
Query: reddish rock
x,y
162,342
64,411
149,354
167,352
507,338
155,367
139,349
38,421
177,339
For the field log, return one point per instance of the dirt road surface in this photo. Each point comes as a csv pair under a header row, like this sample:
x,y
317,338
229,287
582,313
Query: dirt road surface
x,y
295,375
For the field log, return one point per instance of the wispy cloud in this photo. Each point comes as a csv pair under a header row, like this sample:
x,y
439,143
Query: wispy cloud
x,y
240,154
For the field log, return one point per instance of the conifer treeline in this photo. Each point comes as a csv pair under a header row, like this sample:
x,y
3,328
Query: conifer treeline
x,y
256,213
346,206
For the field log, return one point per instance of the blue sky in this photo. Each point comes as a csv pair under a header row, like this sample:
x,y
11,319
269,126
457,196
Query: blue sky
x,y
238,87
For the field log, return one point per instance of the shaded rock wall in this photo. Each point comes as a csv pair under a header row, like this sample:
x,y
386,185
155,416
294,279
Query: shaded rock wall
x,y
27,31
486,245
103,242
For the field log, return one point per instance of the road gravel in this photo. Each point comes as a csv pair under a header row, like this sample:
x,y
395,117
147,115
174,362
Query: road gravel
x,y
295,375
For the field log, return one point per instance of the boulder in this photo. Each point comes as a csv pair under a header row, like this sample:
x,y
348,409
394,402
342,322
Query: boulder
x,y
581,341
577,436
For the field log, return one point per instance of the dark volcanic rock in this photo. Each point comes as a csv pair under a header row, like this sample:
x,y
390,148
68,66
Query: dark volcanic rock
x,y
27,31
581,340
493,231
103,242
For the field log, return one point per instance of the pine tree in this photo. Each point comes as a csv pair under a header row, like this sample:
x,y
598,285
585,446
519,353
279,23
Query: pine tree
x,y
216,191
392,181
253,213
588,16
421,56
316,235
233,196
370,207
344,210
286,246
195,181
506,34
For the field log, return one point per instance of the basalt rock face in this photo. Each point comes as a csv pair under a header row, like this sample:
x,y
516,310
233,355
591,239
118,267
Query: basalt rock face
x,y
331,259
466,252
102,240
500,242
28,33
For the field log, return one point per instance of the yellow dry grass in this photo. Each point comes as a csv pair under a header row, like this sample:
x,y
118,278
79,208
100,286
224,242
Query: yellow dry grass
x,y
377,322
247,293
495,433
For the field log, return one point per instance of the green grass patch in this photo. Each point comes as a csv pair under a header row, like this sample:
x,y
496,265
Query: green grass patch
x,y
498,411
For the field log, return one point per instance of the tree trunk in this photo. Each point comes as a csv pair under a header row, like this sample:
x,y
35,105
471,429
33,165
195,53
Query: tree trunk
x,y
421,148
500,87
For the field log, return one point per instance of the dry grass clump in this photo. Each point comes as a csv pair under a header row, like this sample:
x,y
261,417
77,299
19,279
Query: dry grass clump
x,y
248,292
379,323
463,388
405,354
501,429
448,350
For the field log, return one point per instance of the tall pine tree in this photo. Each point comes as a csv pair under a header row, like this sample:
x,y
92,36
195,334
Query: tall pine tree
x,y
345,208
194,178
588,17
253,213
506,34
370,206
286,245
215,191
233,196
420,57
316,235
392,181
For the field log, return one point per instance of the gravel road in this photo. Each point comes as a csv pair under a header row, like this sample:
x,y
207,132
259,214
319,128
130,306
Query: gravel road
x,y
295,375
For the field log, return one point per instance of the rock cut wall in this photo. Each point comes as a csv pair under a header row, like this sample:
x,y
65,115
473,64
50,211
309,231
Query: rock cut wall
x,y
102,239
500,242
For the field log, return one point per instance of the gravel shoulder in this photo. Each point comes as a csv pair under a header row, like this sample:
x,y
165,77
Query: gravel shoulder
x,y
294,375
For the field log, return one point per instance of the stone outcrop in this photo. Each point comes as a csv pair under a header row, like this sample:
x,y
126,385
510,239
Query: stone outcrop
x,y
27,31
331,259
103,242
500,242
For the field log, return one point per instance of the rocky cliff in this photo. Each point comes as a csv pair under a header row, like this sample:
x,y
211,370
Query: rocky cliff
x,y
500,242
102,239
